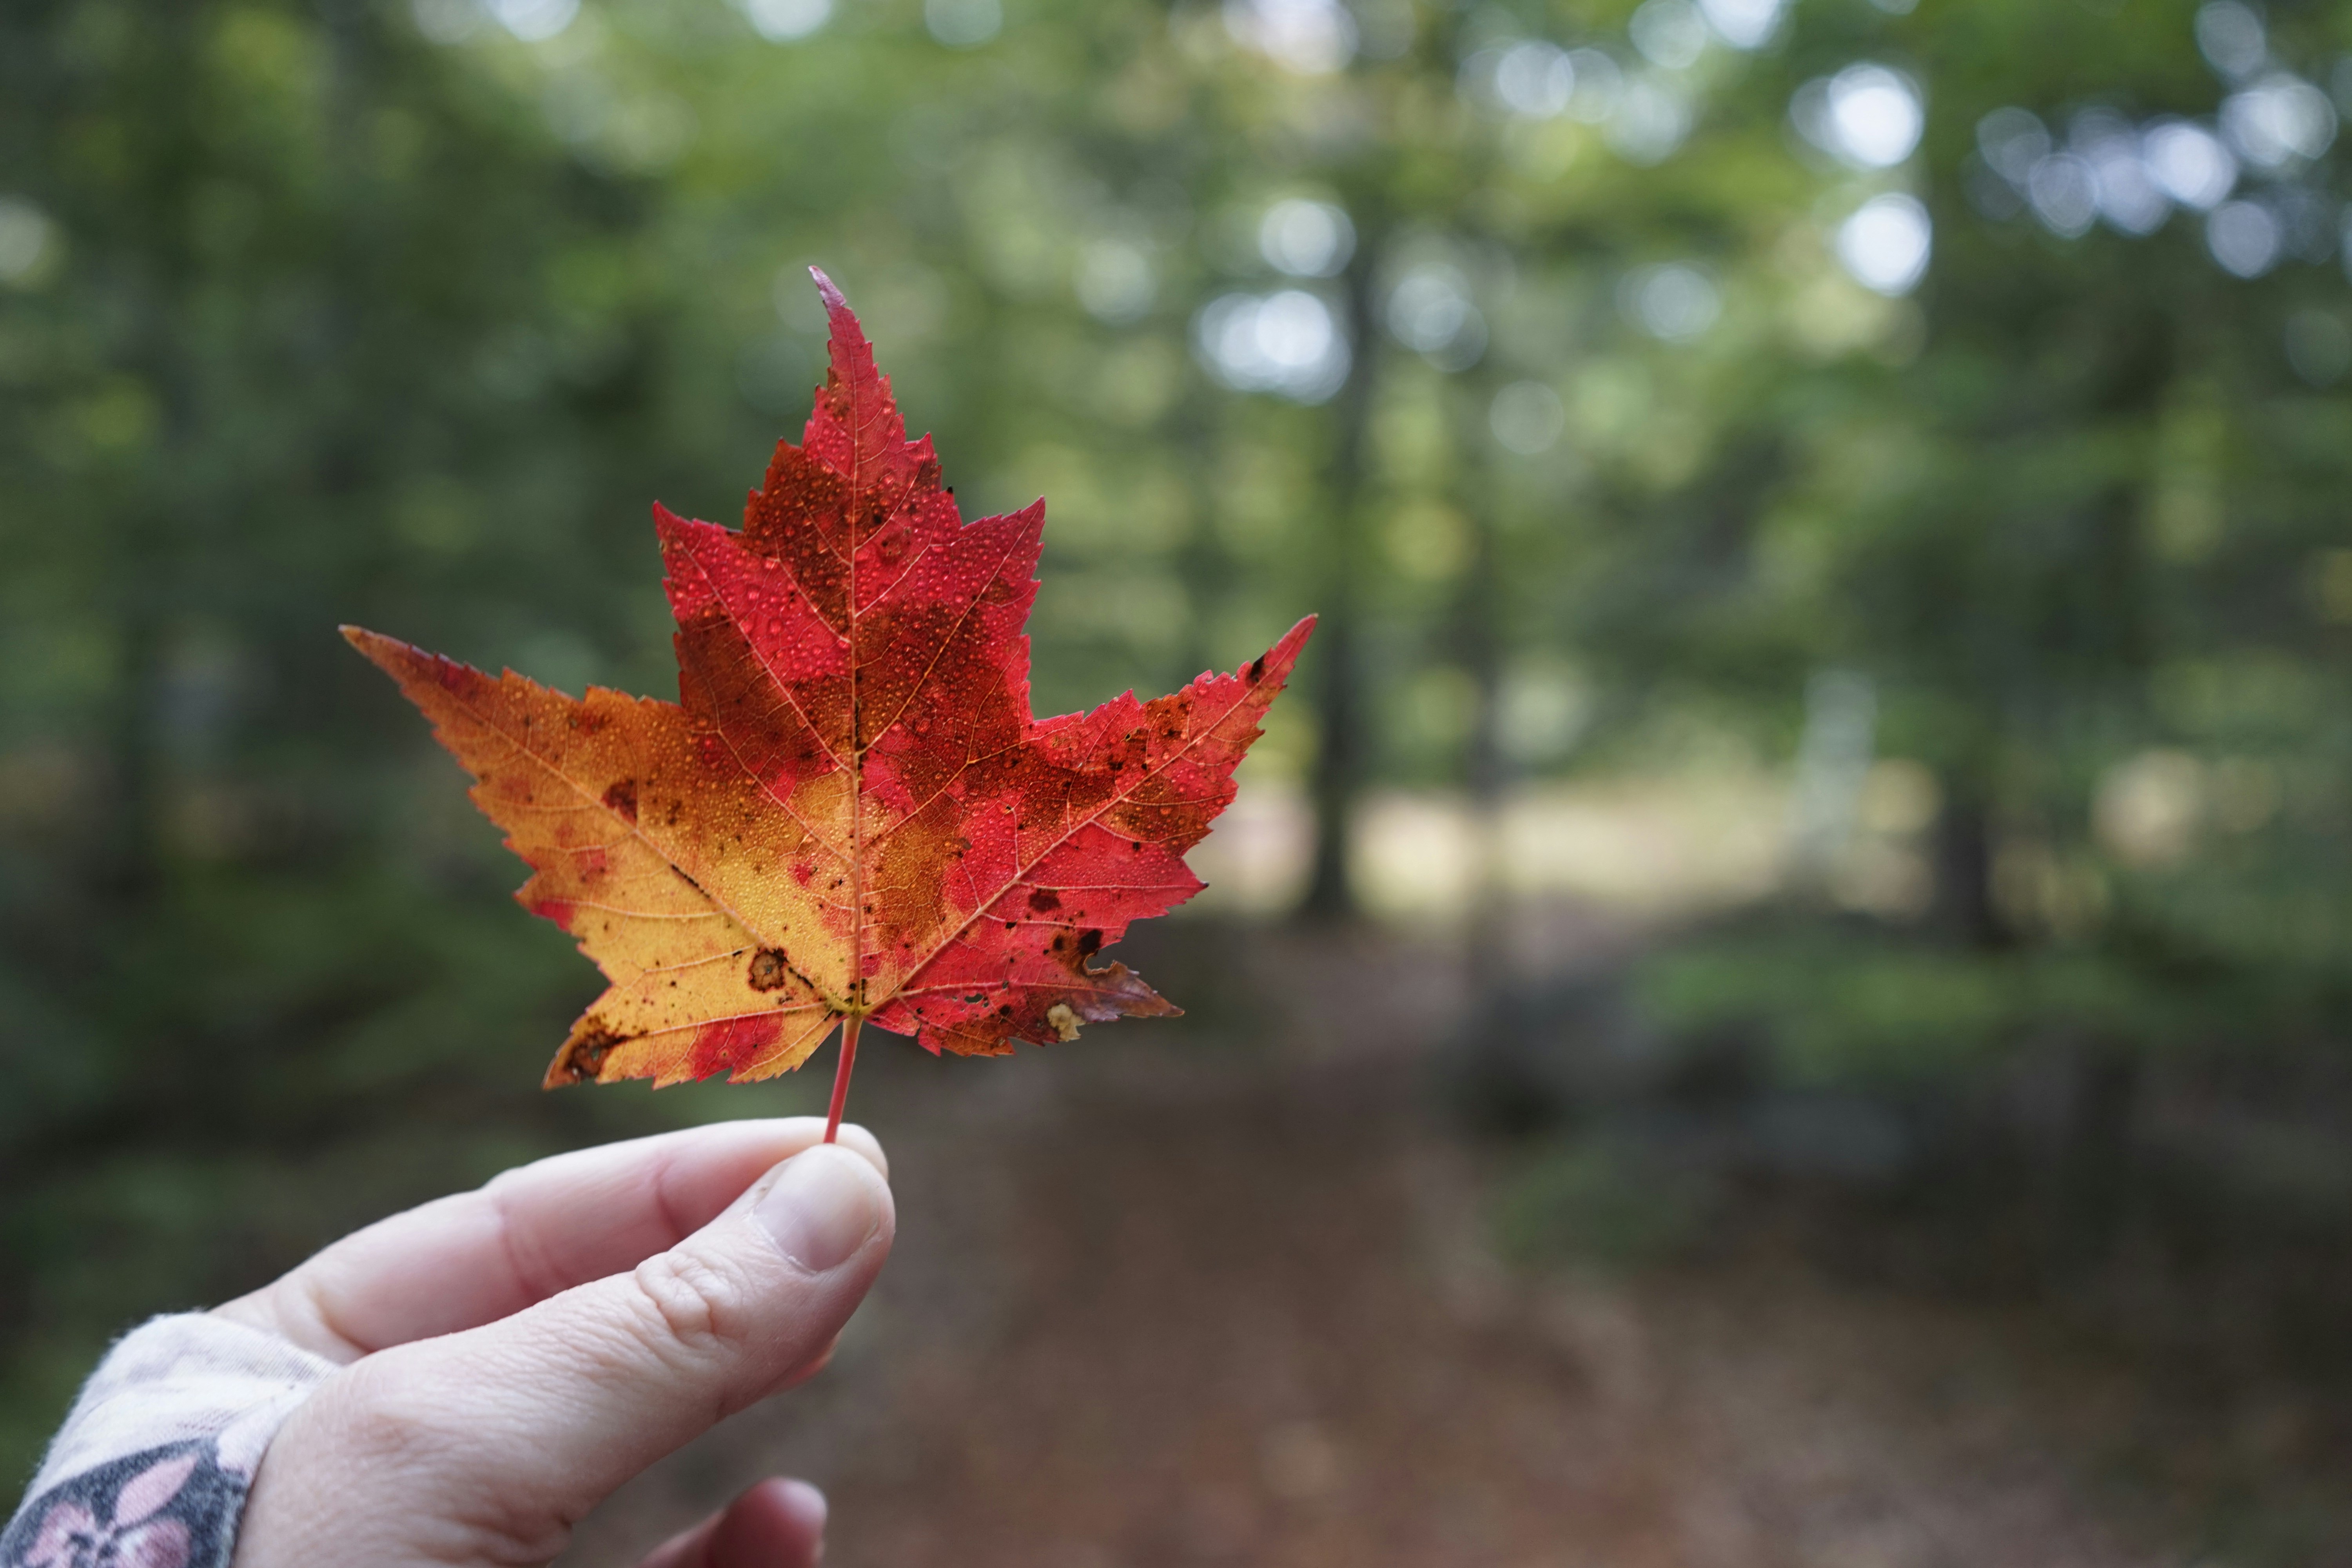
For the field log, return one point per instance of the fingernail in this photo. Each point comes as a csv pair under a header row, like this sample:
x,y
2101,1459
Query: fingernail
x,y
821,1209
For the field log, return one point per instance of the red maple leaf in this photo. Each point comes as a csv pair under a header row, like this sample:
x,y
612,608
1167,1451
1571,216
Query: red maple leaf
x,y
849,812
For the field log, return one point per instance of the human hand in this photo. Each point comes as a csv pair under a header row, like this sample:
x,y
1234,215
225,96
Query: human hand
x,y
512,1355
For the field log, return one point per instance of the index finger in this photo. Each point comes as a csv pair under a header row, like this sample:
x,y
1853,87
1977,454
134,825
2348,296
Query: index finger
x,y
472,1259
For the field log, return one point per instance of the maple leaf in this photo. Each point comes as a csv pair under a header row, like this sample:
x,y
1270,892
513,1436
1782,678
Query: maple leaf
x,y
849,814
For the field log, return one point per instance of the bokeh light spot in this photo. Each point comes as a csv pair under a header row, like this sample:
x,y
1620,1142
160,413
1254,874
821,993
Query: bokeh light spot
x,y
1650,120
1535,78
1431,312
534,21
2232,38
2063,191
1305,238
1743,24
2190,164
2128,195
1287,343
1868,116
781,21
1885,245
1313,37
1669,33
2013,140
2280,120
963,24
28,238
2245,239
1674,302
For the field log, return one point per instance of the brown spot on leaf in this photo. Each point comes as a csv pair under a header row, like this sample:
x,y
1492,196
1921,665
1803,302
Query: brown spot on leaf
x,y
583,1056
771,970
1090,942
1045,900
621,799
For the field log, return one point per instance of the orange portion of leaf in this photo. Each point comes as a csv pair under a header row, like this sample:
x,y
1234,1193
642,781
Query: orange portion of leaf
x,y
850,813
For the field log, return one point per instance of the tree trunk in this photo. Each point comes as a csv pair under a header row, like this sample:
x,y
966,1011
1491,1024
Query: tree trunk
x,y
1342,755
1964,906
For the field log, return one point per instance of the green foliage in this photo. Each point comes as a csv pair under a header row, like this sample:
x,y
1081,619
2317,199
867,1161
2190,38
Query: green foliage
x,y
1597,1200
1853,1010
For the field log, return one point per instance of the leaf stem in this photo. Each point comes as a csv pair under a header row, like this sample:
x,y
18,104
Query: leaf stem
x,y
849,1027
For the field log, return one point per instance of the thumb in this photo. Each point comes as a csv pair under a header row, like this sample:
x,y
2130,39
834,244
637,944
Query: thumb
x,y
486,1445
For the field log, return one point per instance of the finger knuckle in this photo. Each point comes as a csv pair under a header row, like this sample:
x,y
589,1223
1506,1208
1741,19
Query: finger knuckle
x,y
688,1304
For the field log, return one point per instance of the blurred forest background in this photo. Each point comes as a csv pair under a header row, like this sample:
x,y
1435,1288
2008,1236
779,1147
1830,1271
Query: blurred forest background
x,y
1830,520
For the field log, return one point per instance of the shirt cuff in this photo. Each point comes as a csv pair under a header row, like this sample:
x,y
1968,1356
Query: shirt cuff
x,y
154,1463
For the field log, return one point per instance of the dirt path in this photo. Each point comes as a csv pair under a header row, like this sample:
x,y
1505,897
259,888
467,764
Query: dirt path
x,y
1170,1304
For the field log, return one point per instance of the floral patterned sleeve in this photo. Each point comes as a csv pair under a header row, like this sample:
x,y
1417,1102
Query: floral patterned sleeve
x,y
152,1467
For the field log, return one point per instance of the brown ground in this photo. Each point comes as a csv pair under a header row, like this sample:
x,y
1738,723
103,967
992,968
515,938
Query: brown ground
x,y
1168,1301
